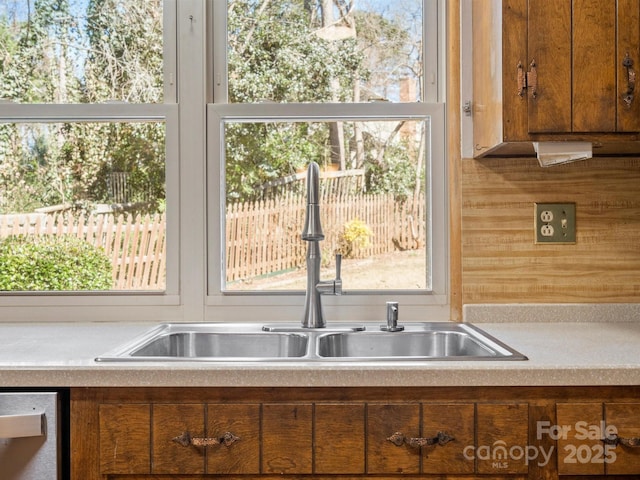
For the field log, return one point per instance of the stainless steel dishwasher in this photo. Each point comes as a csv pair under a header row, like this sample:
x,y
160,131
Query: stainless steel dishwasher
x,y
30,436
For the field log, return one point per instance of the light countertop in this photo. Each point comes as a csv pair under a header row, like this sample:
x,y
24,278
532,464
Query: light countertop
x,y
62,355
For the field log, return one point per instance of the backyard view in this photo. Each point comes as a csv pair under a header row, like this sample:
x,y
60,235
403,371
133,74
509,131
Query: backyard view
x,y
100,183
374,199
104,184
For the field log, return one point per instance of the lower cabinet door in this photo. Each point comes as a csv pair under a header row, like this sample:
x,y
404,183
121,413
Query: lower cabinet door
x,y
577,430
622,456
180,438
420,438
287,438
386,422
177,431
234,433
453,427
125,430
339,438
502,438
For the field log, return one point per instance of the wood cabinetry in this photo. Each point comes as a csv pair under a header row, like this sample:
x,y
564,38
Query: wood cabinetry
x,y
502,428
515,433
549,71
582,427
414,438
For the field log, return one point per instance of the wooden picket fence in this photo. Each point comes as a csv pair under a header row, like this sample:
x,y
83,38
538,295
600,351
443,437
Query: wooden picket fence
x,y
263,237
136,245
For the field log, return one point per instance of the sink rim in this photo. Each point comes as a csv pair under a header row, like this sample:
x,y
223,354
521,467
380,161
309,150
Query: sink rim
x,y
123,352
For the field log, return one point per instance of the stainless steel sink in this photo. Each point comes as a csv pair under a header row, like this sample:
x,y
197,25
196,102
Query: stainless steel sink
x,y
250,342
208,342
439,342
237,345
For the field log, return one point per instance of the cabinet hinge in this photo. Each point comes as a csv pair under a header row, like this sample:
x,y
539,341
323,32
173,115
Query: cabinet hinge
x,y
527,80
466,108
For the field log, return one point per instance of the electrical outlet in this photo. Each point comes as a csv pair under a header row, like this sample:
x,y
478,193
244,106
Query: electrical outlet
x,y
555,222
547,230
546,216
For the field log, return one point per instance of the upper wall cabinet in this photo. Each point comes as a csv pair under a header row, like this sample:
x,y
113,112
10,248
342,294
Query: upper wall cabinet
x,y
555,70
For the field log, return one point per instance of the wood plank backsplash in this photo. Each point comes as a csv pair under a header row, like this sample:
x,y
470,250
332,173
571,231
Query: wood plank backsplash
x,y
501,262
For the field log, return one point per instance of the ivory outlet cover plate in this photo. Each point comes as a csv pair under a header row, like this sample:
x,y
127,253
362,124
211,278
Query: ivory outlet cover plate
x,y
555,223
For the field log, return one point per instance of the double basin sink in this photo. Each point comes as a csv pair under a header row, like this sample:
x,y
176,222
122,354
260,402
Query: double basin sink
x,y
249,342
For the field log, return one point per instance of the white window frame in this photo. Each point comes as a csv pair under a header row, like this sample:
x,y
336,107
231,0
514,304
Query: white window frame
x,y
288,306
193,194
113,305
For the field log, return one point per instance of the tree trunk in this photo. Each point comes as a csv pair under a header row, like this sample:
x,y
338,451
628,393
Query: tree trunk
x,y
336,129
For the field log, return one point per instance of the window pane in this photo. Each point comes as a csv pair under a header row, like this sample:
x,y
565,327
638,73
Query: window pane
x,y
325,50
103,183
81,51
373,206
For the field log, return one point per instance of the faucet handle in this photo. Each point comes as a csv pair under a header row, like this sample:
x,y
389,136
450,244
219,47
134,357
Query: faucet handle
x,y
337,283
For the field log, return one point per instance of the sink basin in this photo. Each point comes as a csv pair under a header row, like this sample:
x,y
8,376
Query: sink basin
x,y
249,345
250,342
212,342
436,344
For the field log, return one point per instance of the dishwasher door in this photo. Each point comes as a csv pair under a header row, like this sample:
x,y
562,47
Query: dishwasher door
x,y
29,436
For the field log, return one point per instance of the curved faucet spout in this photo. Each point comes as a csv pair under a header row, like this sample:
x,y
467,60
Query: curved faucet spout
x,y
312,233
312,230
313,183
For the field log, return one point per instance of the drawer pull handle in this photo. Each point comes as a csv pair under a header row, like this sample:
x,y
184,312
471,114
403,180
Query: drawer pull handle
x,y
186,440
26,425
615,440
441,439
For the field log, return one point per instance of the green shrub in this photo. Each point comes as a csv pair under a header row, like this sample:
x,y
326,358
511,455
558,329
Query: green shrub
x,y
52,263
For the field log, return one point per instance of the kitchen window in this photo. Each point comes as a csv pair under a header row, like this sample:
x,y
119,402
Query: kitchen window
x,y
201,134
355,87
88,156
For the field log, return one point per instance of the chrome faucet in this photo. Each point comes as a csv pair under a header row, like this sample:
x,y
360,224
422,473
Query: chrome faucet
x,y
312,233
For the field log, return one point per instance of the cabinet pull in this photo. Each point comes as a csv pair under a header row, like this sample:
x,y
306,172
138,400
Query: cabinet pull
x,y
186,440
627,97
399,439
25,425
615,440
